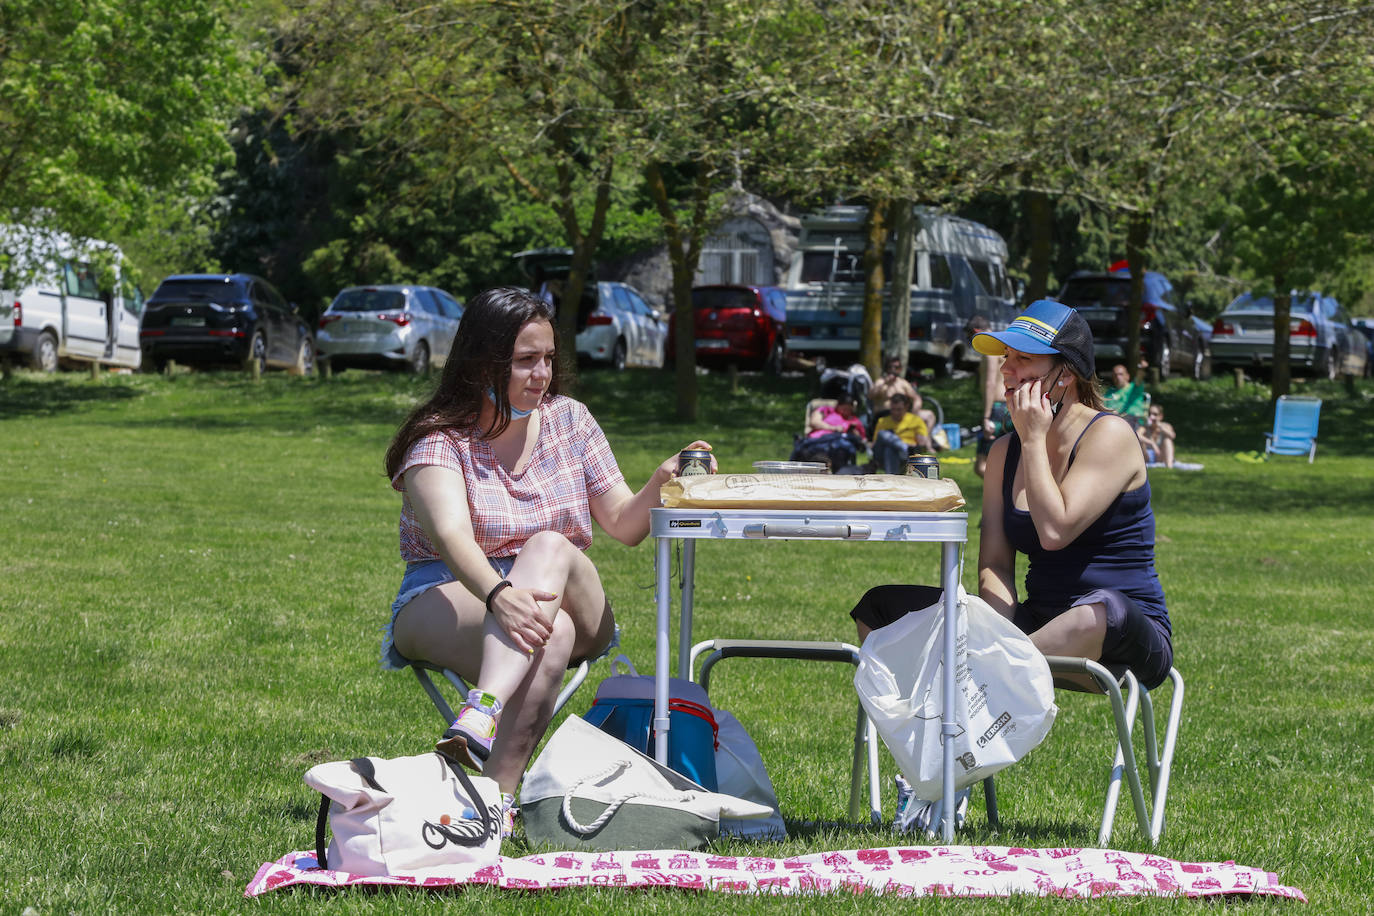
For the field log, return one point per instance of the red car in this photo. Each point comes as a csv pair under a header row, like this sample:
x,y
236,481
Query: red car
x,y
738,324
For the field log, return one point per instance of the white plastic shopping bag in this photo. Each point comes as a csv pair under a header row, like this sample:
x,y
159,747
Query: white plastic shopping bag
x,y
1004,699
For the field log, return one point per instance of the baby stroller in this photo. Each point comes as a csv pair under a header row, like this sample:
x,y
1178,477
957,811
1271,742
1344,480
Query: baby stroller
x,y
854,381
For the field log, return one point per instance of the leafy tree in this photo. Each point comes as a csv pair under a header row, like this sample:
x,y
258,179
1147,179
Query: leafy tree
x,y
111,108
521,87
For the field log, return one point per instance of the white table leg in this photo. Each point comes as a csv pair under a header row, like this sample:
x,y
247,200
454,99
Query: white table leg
x,y
662,590
949,725
689,578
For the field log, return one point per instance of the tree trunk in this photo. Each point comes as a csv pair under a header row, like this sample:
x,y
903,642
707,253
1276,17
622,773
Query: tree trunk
x,y
1040,216
684,248
579,272
1283,309
875,241
897,331
1137,235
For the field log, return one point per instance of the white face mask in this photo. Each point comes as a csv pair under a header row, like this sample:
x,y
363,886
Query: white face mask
x,y
1054,407
515,412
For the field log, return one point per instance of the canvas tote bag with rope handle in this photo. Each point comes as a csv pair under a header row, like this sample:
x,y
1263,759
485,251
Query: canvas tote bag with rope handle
x,y
590,790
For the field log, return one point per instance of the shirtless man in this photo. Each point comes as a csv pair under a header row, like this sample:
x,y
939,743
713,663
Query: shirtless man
x,y
892,383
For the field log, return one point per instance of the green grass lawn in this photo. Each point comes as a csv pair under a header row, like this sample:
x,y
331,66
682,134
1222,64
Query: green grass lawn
x,y
194,573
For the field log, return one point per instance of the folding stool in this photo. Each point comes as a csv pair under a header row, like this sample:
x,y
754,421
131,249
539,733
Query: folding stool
x,y
1149,817
864,732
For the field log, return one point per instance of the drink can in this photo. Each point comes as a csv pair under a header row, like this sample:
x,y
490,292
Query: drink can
x,y
918,465
692,461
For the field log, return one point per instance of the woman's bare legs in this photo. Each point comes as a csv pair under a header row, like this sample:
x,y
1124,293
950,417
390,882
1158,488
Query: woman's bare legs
x,y
449,626
1078,632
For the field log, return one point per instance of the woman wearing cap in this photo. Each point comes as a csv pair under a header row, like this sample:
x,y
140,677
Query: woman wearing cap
x,y
1068,489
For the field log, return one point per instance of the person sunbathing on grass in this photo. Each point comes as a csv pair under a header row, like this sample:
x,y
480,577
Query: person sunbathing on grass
x,y
500,477
1067,488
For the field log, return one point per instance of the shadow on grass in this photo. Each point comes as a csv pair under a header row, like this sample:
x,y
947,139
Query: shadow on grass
x,y
32,395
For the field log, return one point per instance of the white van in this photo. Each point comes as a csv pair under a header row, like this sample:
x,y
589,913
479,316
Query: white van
x,y
960,271
65,300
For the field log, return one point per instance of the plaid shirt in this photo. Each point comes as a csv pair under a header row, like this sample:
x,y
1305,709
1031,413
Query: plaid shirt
x,y
571,464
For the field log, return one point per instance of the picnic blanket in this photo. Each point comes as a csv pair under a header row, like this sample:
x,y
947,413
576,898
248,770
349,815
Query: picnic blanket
x,y
947,871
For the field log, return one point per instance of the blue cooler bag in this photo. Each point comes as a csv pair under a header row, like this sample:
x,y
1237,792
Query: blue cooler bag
x,y
624,707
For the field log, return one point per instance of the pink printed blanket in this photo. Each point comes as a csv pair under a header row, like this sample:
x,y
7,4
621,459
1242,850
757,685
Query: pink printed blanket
x,y
951,871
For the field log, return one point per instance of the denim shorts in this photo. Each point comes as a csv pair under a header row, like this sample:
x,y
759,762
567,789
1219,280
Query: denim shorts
x,y
419,578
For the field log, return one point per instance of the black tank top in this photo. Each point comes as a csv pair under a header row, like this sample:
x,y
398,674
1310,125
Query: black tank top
x,y
1116,551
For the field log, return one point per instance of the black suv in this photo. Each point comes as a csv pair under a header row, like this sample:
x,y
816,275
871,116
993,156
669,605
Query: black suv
x,y
1169,338
225,319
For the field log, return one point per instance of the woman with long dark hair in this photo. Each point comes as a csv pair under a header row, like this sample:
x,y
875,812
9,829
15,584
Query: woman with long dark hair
x,y
500,478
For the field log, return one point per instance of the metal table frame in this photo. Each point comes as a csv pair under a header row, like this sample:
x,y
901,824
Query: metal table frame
x,y
948,529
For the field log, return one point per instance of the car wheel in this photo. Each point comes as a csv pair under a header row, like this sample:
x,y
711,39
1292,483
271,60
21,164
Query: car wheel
x,y
305,357
419,360
44,355
618,355
257,353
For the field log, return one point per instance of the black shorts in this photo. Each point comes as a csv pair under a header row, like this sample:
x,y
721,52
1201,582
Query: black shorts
x,y
1134,639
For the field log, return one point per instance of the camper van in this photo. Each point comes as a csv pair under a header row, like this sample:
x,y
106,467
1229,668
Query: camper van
x,y
64,300
959,271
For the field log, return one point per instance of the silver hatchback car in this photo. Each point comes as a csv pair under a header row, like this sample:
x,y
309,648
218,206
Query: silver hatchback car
x,y
396,326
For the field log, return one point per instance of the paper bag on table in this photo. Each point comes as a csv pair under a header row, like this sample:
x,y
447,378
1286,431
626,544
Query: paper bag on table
x,y
871,492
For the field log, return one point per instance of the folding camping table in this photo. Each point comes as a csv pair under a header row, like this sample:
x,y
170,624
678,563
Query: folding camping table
x,y
948,529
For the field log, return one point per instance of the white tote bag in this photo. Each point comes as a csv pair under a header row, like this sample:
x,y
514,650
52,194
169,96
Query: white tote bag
x,y
405,815
1004,700
590,790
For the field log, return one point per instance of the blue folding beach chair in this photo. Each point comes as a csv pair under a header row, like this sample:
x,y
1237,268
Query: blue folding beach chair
x,y
1295,427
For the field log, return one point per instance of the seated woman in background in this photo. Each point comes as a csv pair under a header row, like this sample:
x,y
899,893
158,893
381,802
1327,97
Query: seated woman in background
x,y
1157,438
1068,489
500,477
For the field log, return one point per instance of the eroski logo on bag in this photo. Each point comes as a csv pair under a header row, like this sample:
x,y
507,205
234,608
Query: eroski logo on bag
x,y
463,832
993,729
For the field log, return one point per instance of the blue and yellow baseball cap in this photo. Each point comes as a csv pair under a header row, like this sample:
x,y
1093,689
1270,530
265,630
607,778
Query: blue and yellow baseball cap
x,y
1047,328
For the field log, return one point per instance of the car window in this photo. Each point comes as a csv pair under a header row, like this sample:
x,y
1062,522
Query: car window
x,y
638,304
1103,291
983,271
621,298
368,300
722,298
268,293
213,290
940,275
448,305
81,280
424,300
133,296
